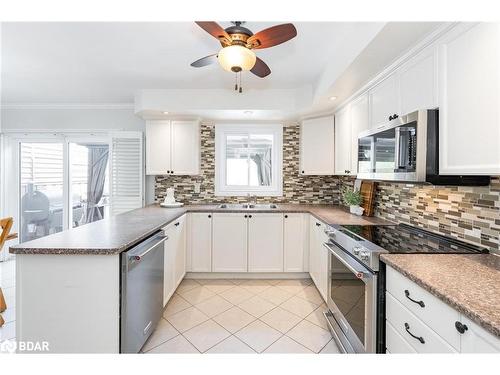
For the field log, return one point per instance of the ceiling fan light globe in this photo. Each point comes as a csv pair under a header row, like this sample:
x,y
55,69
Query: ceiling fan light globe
x,y
236,58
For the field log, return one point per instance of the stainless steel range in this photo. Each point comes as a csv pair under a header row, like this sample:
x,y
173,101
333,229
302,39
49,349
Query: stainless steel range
x,y
356,277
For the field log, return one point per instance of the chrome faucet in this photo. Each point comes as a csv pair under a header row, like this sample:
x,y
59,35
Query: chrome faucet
x,y
251,199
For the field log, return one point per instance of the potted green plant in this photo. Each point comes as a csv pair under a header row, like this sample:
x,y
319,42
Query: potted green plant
x,y
353,199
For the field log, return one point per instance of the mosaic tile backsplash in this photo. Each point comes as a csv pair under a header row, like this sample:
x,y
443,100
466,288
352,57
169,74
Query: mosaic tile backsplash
x,y
296,188
471,214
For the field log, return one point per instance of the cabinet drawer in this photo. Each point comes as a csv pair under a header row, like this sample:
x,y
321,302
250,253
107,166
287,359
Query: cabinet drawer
x,y
394,342
407,324
434,313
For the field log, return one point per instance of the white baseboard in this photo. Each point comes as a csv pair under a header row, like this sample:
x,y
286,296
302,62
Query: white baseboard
x,y
247,275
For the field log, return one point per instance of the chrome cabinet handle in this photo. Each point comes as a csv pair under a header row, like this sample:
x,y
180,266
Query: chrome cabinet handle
x,y
420,303
419,338
461,327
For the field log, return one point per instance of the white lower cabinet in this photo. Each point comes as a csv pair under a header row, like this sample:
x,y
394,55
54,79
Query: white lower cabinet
x,y
395,343
295,242
428,308
416,333
265,242
318,256
476,340
174,260
229,242
417,321
200,242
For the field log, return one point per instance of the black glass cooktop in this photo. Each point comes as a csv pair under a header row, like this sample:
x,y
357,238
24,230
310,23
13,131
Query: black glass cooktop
x,y
407,239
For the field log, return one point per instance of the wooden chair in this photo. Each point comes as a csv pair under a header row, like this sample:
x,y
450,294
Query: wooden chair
x,y
5,235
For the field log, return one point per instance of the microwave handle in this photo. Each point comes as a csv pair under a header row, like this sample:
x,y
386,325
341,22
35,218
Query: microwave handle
x,y
397,148
360,274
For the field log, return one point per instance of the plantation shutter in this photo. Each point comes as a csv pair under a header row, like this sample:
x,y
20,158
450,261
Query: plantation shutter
x,y
127,171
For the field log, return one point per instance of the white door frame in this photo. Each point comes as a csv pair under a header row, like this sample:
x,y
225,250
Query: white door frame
x,y
11,170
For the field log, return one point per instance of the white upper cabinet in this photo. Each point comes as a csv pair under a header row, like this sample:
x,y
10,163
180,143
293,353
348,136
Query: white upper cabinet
x,y
469,96
158,140
384,101
359,122
185,147
343,142
172,147
265,242
317,143
418,83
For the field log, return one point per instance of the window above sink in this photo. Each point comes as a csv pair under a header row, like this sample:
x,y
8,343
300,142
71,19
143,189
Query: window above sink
x,y
248,160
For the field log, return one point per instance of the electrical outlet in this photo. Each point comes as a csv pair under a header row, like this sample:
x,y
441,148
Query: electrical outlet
x,y
197,187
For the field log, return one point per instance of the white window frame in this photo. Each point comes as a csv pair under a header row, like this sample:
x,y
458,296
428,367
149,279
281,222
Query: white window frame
x,y
221,132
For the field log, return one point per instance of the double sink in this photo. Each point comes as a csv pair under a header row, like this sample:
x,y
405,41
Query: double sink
x,y
248,206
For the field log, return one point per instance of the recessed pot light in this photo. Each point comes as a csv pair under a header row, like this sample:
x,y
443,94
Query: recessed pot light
x,y
248,112
332,98
165,112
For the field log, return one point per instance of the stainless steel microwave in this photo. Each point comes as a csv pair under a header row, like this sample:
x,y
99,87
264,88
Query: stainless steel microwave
x,y
407,150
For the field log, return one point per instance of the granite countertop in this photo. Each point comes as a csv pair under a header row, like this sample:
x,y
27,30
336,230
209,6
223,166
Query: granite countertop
x,y
469,283
118,233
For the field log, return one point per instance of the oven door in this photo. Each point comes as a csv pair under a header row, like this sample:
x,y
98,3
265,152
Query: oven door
x,y
352,293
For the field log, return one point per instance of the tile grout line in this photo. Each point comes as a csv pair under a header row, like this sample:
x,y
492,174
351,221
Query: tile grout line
x,y
253,294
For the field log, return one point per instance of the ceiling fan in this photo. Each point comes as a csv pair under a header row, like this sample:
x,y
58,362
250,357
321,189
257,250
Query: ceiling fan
x,y
238,44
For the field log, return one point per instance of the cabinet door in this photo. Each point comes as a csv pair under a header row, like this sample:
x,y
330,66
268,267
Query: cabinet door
x,y
383,102
317,143
158,153
418,83
476,339
343,142
294,242
185,147
200,242
469,97
229,249
265,242
359,123
180,249
322,262
313,249
169,284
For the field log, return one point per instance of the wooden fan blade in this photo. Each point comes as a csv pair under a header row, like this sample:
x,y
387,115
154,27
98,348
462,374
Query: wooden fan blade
x,y
204,61
272,36
260,69
214,29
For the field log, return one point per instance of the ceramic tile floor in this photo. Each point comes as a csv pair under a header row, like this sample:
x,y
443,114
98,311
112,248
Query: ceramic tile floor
x,y
7,282
243,316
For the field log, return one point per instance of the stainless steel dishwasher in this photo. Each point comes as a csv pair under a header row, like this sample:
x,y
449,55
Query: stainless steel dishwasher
x,y
141,292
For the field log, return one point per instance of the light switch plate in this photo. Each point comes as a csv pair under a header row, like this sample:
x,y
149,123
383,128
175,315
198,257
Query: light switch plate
x,y
197,187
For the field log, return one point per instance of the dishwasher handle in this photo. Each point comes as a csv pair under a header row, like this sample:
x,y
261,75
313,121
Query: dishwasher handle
x,y
138,257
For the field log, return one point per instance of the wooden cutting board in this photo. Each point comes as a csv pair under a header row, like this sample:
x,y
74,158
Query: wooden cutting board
x,y
368,193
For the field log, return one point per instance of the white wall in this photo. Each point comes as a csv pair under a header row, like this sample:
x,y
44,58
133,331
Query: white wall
x,y
54,118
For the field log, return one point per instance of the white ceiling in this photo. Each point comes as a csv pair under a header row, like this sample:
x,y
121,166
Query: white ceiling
x,y
148,64
108,62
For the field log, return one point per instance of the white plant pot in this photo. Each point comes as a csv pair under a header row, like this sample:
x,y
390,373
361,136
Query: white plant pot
x,y
356,210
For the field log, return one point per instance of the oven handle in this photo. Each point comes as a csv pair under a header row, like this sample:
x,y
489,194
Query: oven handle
x,y
359,273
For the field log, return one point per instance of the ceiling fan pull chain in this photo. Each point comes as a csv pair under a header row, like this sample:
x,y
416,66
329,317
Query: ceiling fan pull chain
x,y
241,89
236,82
